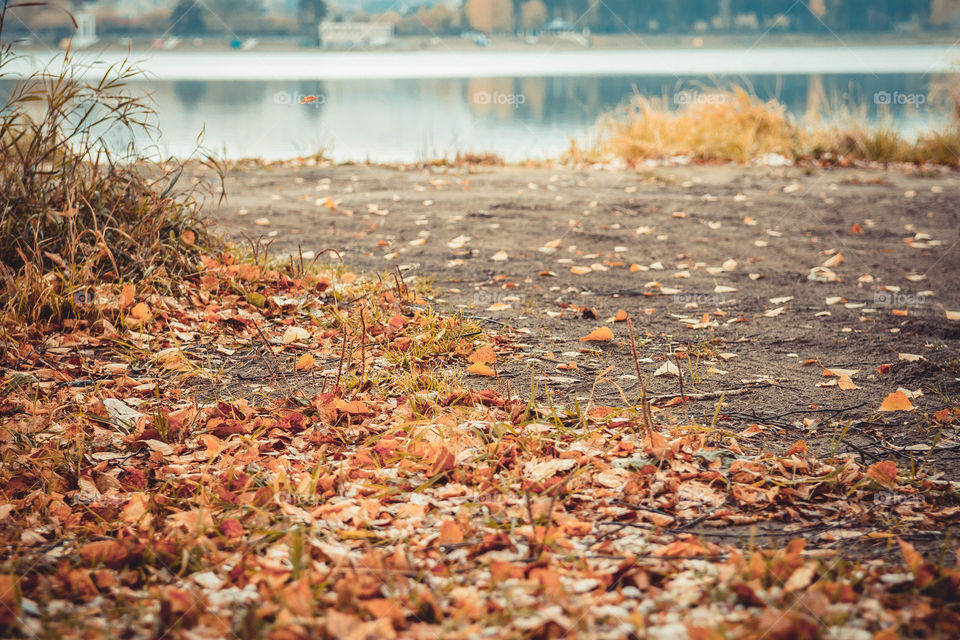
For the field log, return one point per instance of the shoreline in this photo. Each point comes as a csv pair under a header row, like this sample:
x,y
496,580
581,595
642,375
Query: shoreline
x,y
599,42
338,65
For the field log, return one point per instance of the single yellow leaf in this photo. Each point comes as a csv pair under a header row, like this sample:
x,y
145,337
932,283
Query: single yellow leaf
x,y
603,334
897,401
330,204
480,369
305,361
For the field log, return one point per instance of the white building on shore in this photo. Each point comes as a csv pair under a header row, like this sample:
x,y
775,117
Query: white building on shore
x,y
355,35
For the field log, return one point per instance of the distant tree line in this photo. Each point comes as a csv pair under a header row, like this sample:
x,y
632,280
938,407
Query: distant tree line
x,y
645,16
248,17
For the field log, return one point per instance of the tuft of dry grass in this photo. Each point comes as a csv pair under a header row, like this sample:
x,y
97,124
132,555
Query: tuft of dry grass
x,y
731,125
80,202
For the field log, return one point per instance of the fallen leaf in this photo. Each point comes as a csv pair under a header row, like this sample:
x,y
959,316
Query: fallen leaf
x,y
139,315
834,261
305,362
897,401
486,355
294,334
500,256
884,473
450,533
667,369
353,407
480,369
580,271
127,293
603,334
846,383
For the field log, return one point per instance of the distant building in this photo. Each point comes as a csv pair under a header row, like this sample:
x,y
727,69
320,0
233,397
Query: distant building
x,y
558,26
134,8
86,34
944,12
350,35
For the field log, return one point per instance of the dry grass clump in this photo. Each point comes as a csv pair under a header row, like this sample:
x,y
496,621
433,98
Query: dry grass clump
x,y
727,125
734,126
80,202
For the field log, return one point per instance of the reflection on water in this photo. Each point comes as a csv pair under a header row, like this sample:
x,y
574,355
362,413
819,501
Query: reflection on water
x,y
412,119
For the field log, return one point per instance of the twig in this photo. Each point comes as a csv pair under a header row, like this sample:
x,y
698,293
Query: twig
x,y
683,401
363,349
343,352
644,405
270,350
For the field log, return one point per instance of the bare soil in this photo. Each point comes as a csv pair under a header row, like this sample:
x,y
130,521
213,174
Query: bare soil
x,y
721,284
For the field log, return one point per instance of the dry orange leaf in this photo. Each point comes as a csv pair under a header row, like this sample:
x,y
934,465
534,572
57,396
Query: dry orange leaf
x,y
897,401
450,533
329,204
188,237
580,271
139,314
621,316
911,555
485,355
884,473
480,369
834,261
603,334
846,383
305,361
353,407
108,552
127,293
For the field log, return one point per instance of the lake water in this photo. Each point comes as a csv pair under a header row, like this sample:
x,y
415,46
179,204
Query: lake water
x,y
412,106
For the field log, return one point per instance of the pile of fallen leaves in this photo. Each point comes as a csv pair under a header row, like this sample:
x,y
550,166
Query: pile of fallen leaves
x,y
356,487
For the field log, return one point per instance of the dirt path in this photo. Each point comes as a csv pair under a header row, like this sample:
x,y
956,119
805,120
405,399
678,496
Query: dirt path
x,y
711,263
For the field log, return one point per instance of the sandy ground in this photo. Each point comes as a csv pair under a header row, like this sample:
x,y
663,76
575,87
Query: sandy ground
x,y
712,263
